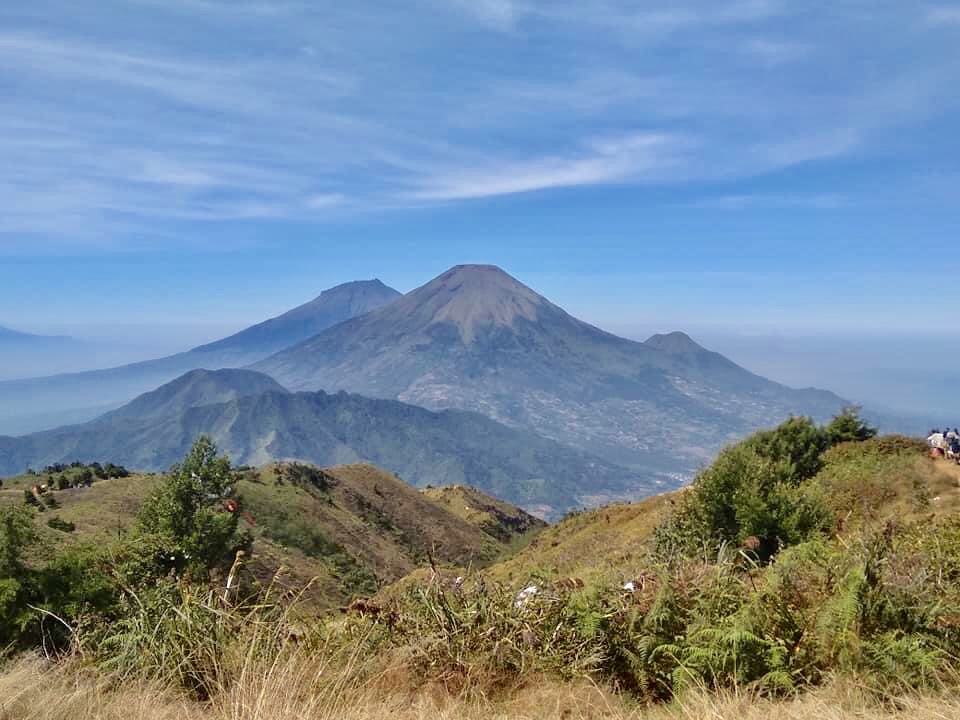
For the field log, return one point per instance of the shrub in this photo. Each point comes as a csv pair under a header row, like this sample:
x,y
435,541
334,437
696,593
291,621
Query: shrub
x,y
747,495
762,491
187,513
795,446
848,426
17,534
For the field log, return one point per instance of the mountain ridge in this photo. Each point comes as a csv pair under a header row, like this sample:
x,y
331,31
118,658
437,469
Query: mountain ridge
x,y
330,307
78,394
476,339
259,425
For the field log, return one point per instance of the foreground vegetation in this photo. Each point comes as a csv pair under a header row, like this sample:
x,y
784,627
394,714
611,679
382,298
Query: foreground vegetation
x,y
810,571
303,688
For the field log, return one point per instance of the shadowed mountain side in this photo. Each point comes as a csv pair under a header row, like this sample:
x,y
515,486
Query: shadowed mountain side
x,y
197,388
476,339
37,403
421,446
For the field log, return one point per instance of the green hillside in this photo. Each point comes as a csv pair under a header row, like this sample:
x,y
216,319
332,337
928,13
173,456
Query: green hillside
x,y
805,558
257,422
343,530
495,517
803,554
865,485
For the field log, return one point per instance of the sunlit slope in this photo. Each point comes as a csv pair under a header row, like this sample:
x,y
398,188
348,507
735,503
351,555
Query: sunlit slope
x,y
866,485
341,531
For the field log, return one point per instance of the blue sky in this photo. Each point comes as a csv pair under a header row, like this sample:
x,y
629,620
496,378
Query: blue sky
x,y
178,168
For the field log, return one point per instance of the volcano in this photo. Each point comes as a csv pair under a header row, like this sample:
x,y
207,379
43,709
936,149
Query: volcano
x,y
476,338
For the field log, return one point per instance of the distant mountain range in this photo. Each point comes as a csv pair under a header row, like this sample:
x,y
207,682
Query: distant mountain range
x,y
40,353
257,421
476,339
472,378
34,404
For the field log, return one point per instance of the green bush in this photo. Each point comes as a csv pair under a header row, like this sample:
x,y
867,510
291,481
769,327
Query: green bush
x,y
848,426
187,513
746,498
761,493
794,446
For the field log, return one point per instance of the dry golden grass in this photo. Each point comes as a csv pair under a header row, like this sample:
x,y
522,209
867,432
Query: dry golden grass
x,y
595,543
305,688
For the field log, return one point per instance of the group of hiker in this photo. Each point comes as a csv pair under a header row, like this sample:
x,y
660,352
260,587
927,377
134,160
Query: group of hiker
x,y
945,442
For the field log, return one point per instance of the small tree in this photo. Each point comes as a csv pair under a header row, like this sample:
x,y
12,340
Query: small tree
x,y
16,535
848,426
187,512
795,445
759,489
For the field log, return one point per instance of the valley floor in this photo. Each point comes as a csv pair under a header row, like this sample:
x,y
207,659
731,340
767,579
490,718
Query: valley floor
x,y
31,690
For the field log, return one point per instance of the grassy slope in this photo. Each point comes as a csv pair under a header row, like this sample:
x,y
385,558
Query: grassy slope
x,y
367,529
874,482
594,542
500,519
888,480
890,483
362,529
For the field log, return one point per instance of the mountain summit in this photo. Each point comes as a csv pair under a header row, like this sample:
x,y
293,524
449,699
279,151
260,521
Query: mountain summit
x,y
474,299
475,338
675,343
327,309
195,389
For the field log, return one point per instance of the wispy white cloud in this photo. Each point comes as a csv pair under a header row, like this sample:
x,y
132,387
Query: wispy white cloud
x,y
814,201
803,149
943,15
775,52
658,18
322,201
605,161
267,8
115,122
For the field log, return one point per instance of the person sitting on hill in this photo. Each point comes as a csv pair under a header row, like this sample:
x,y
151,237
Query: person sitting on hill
x,y
937,440
953,449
